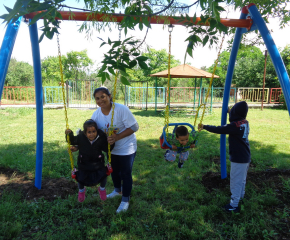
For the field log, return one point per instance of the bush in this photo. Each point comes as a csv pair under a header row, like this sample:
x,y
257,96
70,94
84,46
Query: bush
x,y
282,100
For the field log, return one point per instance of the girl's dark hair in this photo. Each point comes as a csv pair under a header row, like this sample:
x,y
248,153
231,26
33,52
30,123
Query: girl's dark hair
x,y
90,123
104,90
181,131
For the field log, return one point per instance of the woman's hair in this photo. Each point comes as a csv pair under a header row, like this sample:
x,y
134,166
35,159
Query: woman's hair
x,y
90,123
104,90
181,131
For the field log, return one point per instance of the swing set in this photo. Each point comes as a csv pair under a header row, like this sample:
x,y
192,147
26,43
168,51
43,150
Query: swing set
x,y
163,140
250,20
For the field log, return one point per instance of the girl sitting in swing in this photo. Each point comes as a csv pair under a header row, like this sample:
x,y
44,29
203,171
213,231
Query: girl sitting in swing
x,y
91,164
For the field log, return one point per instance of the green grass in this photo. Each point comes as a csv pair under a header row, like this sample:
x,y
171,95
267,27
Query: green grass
x,y
166,203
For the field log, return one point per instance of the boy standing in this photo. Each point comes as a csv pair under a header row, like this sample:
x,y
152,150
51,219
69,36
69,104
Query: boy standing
x,y
182,141
239,150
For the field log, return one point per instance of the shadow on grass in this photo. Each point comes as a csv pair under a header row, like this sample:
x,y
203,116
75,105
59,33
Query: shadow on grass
x,y
150,166
148,113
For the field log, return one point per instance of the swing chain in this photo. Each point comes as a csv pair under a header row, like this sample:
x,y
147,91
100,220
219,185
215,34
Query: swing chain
x,y
111,128
120,31
64,103
210,84
166,121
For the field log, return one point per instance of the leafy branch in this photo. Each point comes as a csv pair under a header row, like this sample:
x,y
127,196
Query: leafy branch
x,y
123,55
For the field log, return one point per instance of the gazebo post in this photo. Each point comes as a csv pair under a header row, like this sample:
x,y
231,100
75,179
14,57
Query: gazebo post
x,y
194,93
199,97
155,94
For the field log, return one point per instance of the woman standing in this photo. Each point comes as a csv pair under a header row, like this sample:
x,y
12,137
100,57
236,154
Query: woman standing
x,y
124,152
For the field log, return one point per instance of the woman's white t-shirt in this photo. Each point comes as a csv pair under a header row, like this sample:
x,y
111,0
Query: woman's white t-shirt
x,y
123,119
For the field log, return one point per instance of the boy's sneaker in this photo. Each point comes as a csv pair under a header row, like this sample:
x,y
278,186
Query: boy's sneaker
x,y
123,207
114,194
180,163
103,194
229,208
82,196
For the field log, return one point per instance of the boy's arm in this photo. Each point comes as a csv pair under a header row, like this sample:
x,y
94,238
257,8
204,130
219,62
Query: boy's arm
x,y
173,147
170,140
227,129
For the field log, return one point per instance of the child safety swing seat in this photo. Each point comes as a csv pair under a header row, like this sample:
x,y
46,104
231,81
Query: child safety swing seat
x,y
163,138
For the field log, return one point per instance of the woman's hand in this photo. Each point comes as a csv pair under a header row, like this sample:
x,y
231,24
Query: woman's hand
x,y
192,145
113,138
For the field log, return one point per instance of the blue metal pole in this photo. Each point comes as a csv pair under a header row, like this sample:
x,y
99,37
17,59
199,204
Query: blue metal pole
x,y
39,103
6,50
227,89
274,53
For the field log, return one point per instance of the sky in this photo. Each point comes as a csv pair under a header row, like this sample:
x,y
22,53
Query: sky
x,y
157,38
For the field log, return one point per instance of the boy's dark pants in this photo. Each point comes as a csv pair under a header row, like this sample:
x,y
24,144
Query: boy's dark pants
x,y
122,171
238,182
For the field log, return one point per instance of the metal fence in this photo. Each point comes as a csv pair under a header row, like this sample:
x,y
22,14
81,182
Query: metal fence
x,y
18,96
184,94
80,94
142,96
77,94
275,94
216,96
136,96
53,95
253,95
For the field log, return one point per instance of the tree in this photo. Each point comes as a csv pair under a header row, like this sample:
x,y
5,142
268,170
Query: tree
x,y
19,74
75,64
221,69
249,69
50,71
285,54
138,14
157,61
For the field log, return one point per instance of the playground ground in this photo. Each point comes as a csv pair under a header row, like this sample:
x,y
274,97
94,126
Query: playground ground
x,y
167,202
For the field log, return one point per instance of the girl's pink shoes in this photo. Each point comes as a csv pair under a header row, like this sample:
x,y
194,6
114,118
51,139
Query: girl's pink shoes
x,y
103,194
82,196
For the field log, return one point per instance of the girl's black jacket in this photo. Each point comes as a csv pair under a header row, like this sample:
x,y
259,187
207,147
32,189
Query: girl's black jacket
x,y
90,156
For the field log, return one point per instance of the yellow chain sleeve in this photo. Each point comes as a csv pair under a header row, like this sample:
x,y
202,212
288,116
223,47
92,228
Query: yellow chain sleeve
x,y
166,121
209,87
64,104
111,128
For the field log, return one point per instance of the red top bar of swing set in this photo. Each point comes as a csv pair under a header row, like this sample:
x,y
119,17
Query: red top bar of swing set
x,y
84,16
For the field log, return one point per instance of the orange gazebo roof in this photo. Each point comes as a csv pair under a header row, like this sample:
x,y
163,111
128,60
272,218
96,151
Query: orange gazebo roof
x,y
184,71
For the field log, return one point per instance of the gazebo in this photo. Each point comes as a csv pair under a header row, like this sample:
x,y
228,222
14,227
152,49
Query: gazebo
x,y
184,71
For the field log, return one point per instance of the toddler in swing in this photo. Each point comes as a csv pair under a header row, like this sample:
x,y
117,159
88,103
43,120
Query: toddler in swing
x,y
181,141
91,163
